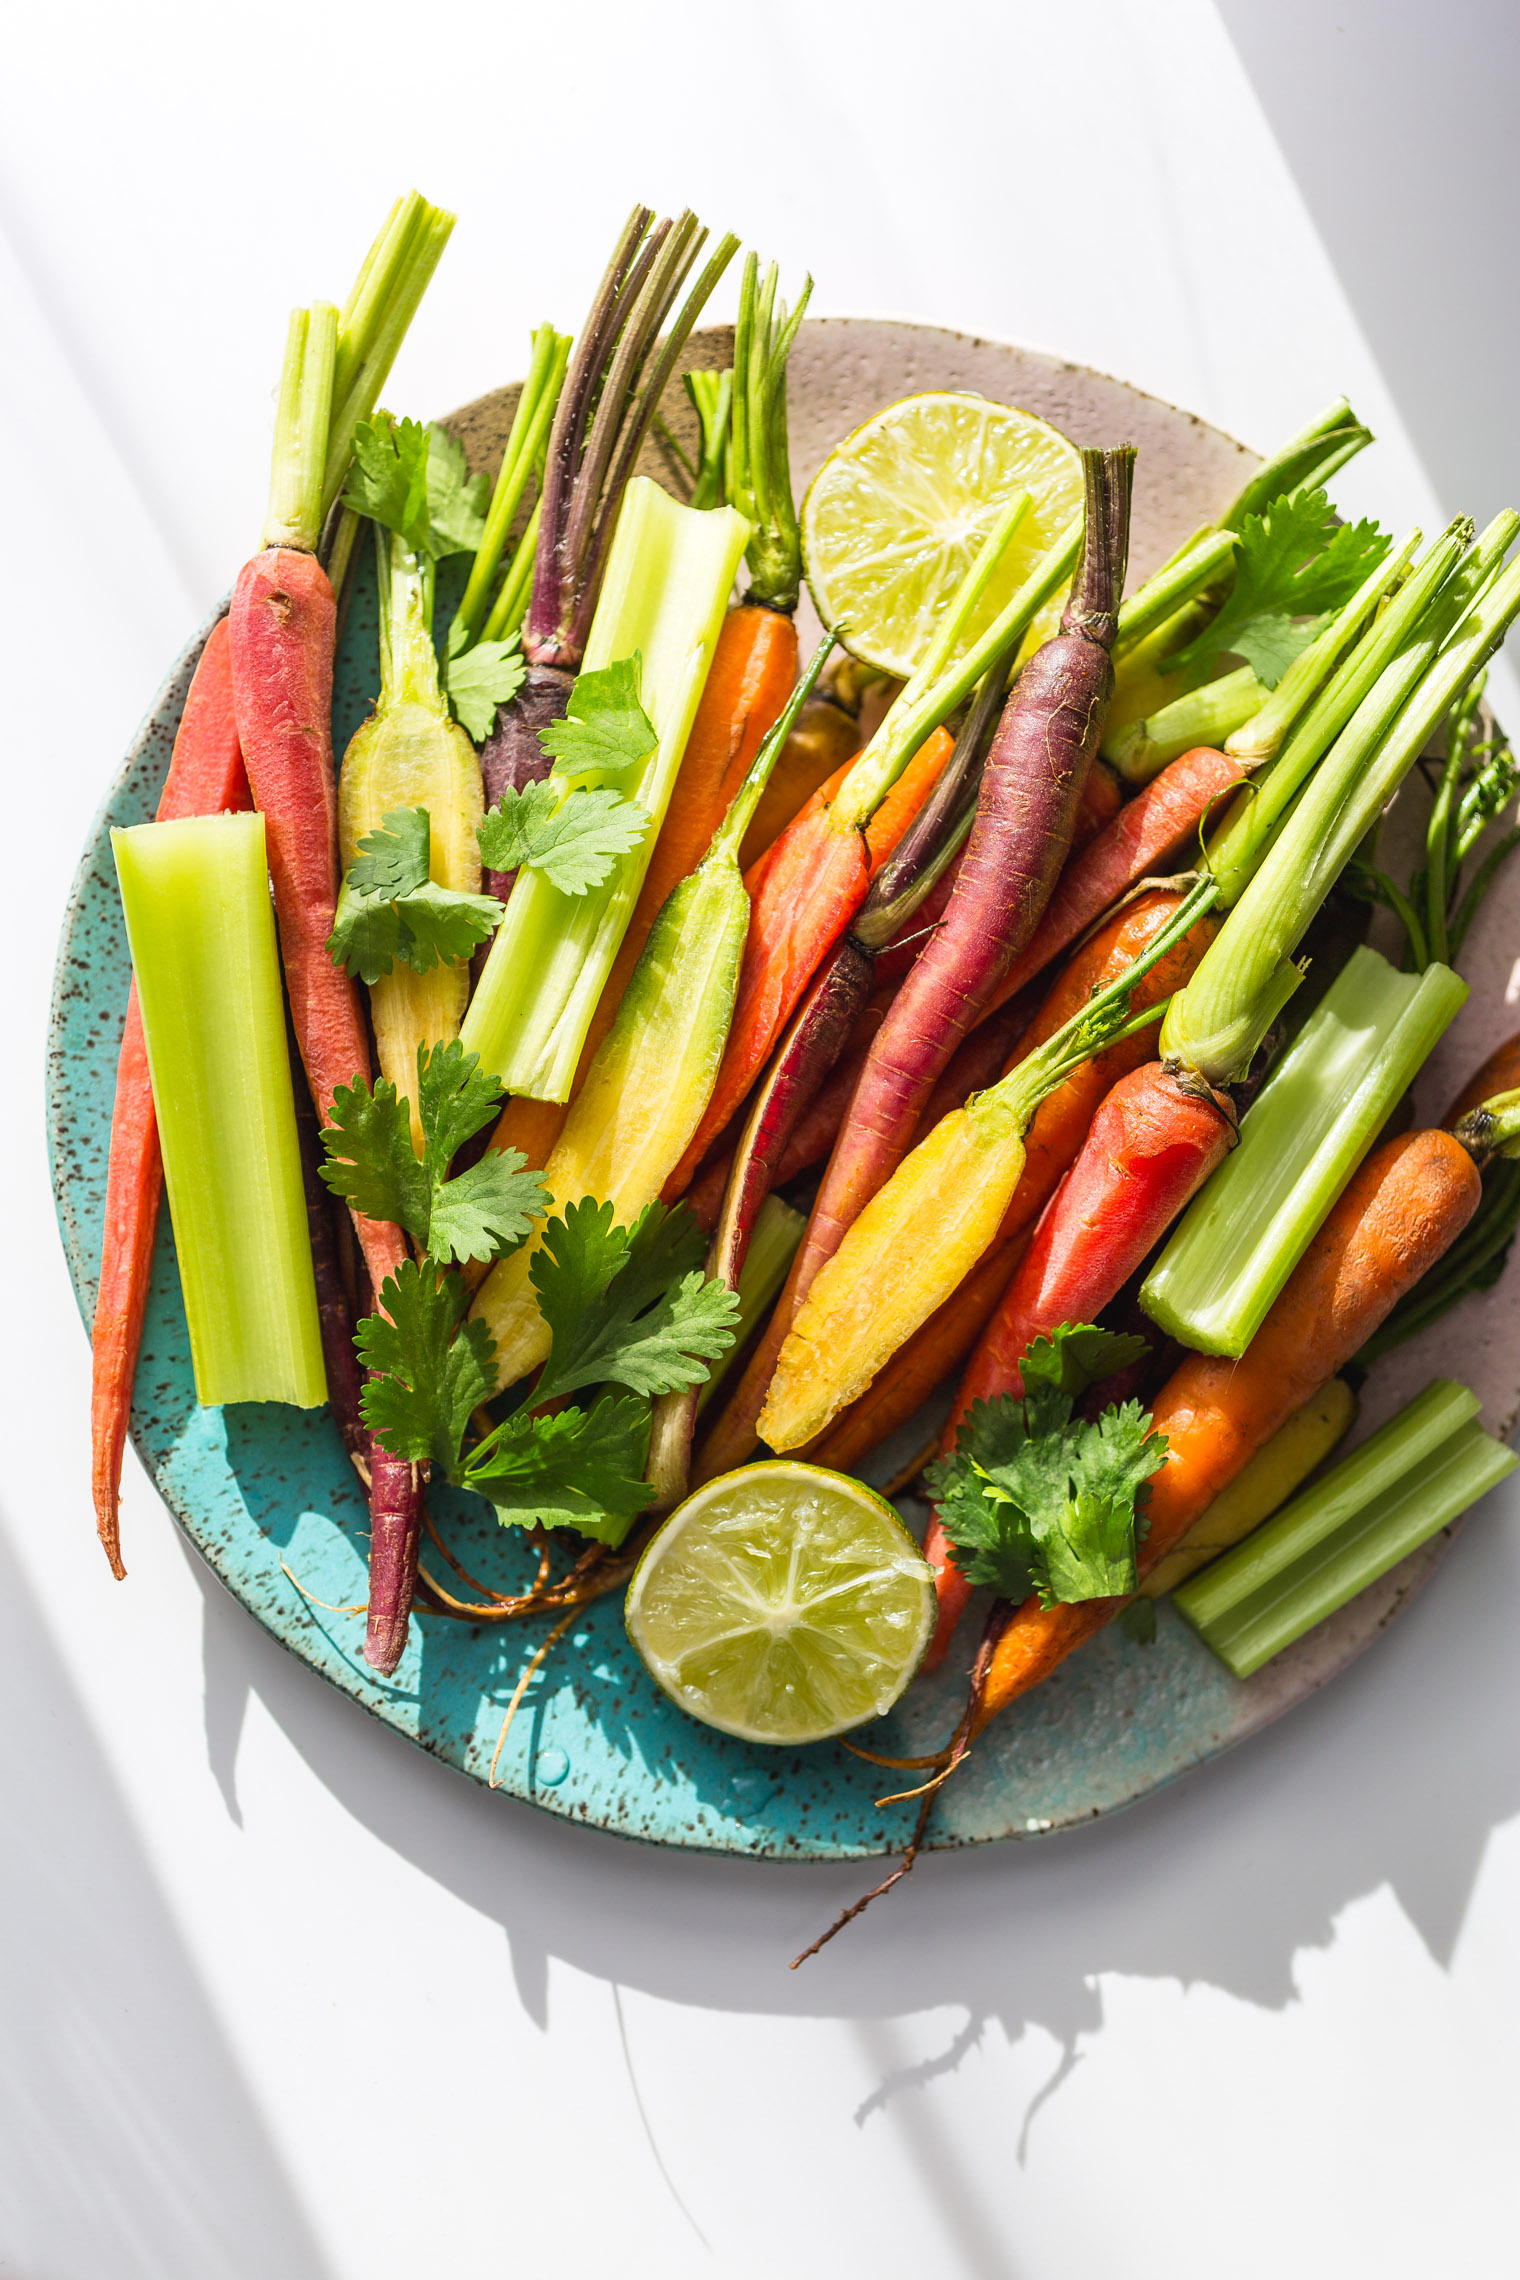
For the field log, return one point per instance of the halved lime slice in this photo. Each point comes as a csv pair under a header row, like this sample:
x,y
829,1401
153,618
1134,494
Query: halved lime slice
x,y
894,518
782,1603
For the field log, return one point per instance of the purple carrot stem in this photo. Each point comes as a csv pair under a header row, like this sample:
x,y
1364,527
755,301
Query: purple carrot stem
x,y
512,757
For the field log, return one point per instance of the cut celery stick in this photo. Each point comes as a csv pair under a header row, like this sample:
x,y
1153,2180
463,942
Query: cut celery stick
x,y
767,1263
1376,1507
201,927
668,579
1301,1140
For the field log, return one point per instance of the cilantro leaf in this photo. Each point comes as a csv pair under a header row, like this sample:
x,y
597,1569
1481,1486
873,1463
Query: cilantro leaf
x,y
1034,1498
487,1211
440,927
393,860
606,729
415,481
480,680
371,1162
578,1469
484,1212
430,1368
573,839
628,1306
367,934
1076,1356
388,480
456,499
1293,565
389,909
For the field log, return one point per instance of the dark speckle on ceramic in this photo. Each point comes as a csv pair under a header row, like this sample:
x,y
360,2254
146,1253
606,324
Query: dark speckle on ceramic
x,y
268,1499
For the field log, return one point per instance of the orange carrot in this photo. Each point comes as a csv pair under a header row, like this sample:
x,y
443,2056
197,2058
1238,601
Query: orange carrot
x,y
1405,1206
805,890
281,630
825,739
205,776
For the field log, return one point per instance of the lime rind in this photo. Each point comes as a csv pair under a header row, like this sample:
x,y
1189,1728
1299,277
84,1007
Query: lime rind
x,y
896,514
782,1604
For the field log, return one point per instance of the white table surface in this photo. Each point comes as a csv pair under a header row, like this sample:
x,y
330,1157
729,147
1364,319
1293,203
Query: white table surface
x,y
279,1996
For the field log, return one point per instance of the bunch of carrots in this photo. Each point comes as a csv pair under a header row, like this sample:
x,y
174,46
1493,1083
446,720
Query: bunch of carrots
x,y
708,948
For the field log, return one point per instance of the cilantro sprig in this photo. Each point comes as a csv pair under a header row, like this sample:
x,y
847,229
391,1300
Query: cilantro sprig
x,y
480,678
481,1213
1034,1497
606,730
389,909
574,840
628,1306
1294,564
416,481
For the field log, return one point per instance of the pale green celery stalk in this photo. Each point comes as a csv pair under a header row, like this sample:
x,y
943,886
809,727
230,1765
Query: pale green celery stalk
x,y
1204,559
385,298
773,1245
201,929
1215,1024
1411,1479
1388,660
511,604
295,511
927,700
1204,716
666,588
1262,735
523,457
1301,1140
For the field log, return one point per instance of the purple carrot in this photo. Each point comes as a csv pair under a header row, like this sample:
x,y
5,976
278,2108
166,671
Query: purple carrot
x,y
395,1520
334,1313
618,372
819,1031
1031,789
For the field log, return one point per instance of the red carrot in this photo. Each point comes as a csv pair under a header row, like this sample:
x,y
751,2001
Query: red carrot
x,y
395,1508
281,632
1153,1143
205,776
1031,786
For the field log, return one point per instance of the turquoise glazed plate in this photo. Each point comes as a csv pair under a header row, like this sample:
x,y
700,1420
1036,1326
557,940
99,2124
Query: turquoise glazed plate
x,y
269,1501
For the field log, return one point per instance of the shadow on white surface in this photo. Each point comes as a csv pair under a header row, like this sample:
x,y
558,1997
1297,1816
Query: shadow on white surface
x,y
1397,124
1394,1777
129,2143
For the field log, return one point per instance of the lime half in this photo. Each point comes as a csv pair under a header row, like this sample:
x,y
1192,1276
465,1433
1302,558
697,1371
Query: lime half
x,y
894,518
782,1603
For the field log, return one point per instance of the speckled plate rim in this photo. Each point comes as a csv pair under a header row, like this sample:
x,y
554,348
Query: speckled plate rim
x,y
1004,1794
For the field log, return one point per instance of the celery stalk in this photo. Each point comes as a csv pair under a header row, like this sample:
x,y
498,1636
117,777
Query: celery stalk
x,y
1301,1140
767,1263
1372,1510
667,584
201,927
1204,716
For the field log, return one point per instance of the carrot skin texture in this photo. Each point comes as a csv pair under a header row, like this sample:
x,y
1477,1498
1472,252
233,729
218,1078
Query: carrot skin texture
x,y
339,1354
206,776
281,630
804,892
395,1537
1151,830
1031,787
511,757
1403,1209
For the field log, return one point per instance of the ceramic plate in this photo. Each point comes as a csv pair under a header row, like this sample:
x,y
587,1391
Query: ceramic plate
x,y
268,1499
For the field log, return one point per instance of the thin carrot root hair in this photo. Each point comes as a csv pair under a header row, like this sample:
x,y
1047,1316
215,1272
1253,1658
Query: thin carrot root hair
x,y
536,1663
361,1609
959,1749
